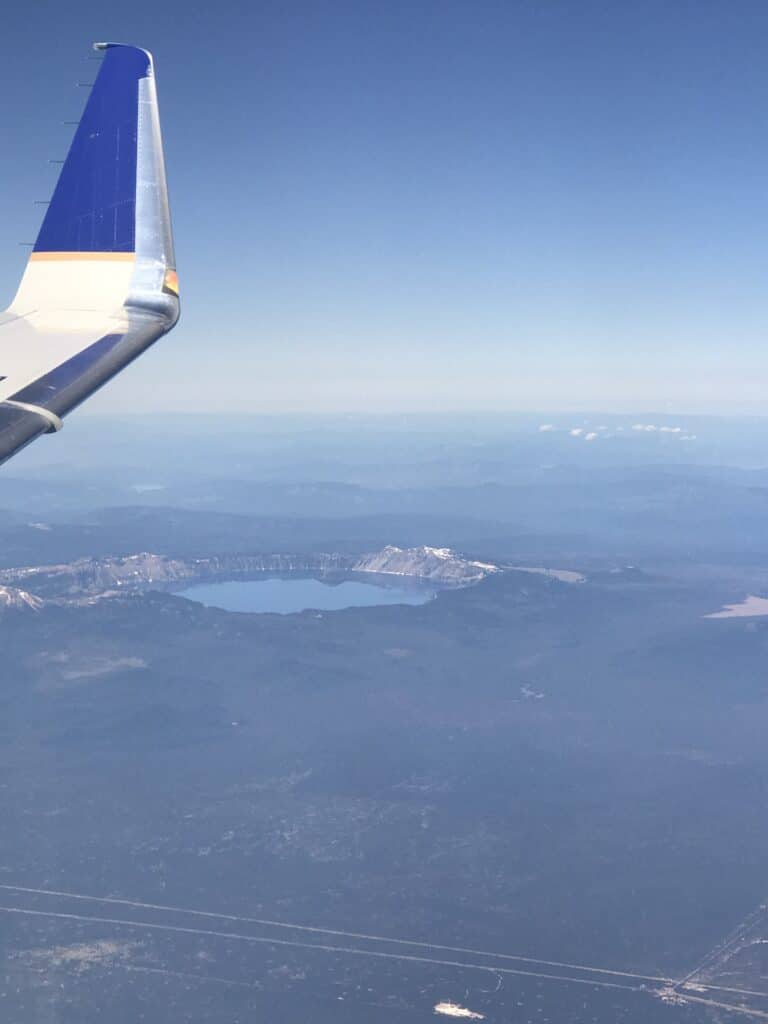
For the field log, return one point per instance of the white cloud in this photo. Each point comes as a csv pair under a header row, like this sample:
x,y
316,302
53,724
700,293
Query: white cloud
x,y
547,428
591,436
577,432
654,428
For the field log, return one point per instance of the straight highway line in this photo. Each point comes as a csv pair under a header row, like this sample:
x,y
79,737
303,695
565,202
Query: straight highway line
x,y
315,929
264,940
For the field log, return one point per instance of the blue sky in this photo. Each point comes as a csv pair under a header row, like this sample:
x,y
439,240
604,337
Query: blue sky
x,y
433,205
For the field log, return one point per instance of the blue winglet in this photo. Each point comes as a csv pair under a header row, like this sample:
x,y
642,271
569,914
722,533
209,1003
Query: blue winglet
x,y
93,208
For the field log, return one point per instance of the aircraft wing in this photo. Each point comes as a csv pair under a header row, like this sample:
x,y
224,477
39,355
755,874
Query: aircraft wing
x,y
100,285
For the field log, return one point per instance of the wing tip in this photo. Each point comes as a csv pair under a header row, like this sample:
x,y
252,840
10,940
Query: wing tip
x,y
124,46
136,51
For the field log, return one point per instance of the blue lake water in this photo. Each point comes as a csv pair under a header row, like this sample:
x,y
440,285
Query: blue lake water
x,y
285,596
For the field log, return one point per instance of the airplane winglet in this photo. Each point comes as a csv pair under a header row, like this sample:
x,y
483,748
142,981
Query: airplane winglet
x,y
93,207
110,204
100,285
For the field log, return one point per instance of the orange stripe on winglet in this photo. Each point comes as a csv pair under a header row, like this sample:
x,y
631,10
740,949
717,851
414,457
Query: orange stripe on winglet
x,y
171,282
68,256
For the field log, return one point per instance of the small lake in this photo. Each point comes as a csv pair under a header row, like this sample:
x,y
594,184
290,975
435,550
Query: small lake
x,y
298,594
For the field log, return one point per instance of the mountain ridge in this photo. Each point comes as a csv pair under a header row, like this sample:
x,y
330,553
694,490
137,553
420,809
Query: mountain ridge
x,y
67,582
